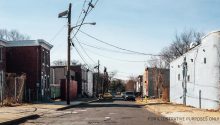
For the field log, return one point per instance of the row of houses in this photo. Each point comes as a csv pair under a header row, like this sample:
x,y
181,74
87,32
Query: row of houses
x,y
43,81
193,78
82,76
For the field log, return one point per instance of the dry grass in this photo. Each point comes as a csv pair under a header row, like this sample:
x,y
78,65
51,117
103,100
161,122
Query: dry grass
x,y
160,107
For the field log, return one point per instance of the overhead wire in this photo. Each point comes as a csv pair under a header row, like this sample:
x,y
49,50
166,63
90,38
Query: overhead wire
x,y
105,49
82,20
84,50
116,58
58,32
93,5
101,41
83,59
84,3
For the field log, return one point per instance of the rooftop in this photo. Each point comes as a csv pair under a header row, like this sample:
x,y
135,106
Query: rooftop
x,y
38,42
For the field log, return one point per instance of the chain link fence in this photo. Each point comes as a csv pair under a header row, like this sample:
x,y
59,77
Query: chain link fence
x,y
13,89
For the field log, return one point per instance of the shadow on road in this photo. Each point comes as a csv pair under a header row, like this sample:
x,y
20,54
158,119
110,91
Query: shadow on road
x,y
108,103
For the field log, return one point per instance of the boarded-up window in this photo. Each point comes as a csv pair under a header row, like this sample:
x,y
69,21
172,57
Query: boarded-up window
x,y
178,76
204,60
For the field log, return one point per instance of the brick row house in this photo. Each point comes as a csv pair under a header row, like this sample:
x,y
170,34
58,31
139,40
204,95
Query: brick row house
x,y
2,65
31,57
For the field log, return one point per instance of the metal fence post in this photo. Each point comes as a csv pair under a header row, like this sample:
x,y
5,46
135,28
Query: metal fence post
x,y
15,88
29,94
200,102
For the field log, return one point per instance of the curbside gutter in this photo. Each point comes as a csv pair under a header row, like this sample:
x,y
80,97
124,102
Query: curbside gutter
x,y
20,120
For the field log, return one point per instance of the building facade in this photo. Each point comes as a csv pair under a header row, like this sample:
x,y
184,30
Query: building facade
x,y
33,58
198,72
78,73
156,82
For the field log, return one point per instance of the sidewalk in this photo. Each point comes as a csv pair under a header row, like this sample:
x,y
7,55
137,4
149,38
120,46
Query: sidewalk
x,y
10,115
185,115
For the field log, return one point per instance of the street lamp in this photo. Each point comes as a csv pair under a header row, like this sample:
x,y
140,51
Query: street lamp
x,y
93,23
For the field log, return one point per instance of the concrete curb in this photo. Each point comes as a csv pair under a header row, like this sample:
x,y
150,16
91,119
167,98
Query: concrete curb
x,y
72,106
20,120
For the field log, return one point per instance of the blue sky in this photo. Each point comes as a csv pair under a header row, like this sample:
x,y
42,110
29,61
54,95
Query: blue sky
x,y
140,25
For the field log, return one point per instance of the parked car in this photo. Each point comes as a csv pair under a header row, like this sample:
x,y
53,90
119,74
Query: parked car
x,y
123,94
129,95
107,96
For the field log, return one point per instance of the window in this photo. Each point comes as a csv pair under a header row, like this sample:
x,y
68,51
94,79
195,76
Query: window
x,y
188,78
204,60
178,76
1,53
191,60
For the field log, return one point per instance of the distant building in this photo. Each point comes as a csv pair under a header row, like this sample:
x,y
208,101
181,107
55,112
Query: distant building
x,y
156,83
89,88
139,85
130,85
78,73
202,74
97,84
57,74
33,58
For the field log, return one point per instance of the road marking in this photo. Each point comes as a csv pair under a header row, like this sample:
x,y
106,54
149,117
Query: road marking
x,y
107,118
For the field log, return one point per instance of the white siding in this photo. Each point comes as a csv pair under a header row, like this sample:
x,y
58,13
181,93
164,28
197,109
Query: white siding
x,y
203,76
90,83
144,84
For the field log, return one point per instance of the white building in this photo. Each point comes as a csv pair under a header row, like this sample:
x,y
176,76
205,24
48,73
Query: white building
x,y
90,83
203,74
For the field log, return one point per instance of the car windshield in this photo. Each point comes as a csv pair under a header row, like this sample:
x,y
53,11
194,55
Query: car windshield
x,y
129,93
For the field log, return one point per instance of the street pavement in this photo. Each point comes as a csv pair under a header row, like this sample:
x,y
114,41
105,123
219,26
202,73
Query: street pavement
x,y
20,113
102,112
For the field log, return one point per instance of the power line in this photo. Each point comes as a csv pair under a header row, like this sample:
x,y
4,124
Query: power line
x,y
116,58
58,32
94,6
105,49
90,4
84,3
116,46
84,50
83,59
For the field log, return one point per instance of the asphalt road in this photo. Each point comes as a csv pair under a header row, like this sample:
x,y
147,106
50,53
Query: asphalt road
x,y
104,112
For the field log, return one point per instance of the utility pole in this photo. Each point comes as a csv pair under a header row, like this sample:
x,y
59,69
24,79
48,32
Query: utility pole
x,y
105,77
184,80
67,14
68,55
98,76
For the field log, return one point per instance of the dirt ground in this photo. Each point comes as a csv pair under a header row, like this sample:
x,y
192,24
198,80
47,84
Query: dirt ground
x,y
181,114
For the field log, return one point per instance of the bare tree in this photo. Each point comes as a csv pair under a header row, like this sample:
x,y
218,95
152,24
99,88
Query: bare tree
x,y
180,45
158,69
12,35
